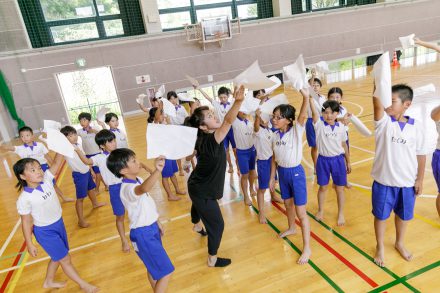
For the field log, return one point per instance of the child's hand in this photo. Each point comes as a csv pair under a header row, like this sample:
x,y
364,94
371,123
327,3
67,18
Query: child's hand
x,y
305,92
418,186
417,41
346,119
32,249
93,175
272,184
76,148
161,229
159,163
348,168
187,166
239,94
258,113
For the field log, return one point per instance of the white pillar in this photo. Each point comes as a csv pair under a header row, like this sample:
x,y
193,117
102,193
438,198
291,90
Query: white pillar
x,y
282,7
150,12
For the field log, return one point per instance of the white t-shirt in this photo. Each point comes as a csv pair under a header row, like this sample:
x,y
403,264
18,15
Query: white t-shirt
x,y
100,160
221,109
181,114
243,133
88,142
121,138
288,147
76,164
329,138
35,151
318,104
141,208
41,203
263,143
395,162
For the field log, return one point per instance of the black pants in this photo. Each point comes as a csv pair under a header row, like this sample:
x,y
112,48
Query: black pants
x,y
209,212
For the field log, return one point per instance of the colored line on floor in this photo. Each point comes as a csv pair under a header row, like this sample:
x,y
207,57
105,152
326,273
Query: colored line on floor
x,y
360,251
407,277
297,250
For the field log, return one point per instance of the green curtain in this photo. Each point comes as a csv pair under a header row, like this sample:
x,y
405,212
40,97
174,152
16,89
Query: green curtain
x,y
35,24
265,9
6,95
131,15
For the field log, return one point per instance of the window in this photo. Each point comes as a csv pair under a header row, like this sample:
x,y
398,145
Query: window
x,y
52,22
174,14
300,6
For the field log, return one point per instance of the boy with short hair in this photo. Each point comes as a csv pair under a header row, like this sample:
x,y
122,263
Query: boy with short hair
x,y
145,229
82,178
398,168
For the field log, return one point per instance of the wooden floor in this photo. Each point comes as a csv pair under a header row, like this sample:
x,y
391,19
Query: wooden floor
x,y
341,259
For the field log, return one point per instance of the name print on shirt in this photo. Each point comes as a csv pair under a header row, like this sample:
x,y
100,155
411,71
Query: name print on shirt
x,y
398,140
280,142
46,195
331,134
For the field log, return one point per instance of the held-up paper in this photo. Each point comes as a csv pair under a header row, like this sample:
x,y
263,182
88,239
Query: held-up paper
x,y
272,103
407,41
250,104
192,80
253,78
171,141
184,97
428,89
296,74
322,67
140,99
57,142
160,92
100,115
360,126
382,79
50,124
168,108
276,85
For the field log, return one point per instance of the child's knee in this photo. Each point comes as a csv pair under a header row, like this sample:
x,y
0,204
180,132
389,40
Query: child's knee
x,y
323,187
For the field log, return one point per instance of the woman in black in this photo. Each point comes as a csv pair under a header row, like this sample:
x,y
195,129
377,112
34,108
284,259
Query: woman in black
x,y
205,185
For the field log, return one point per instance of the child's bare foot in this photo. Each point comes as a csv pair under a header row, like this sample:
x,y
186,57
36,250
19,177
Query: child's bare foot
x,y
276,199
262,219
52,284
379,258
341,220
403,252
247,201
231,170
319,216
304,258
180,192
173,197
89,288
290,231
99,204
125,246
83,224
67,199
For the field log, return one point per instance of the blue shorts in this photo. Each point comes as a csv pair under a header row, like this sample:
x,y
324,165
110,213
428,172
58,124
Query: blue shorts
x,y
387,198
44,167
293,184
53,239
83,183
115,199
170,168
435,164
246,160
147,243
229,139
310,133
263,168
334,166
95,168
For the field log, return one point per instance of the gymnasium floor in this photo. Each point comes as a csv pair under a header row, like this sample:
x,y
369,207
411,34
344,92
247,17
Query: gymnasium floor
x,y
341,256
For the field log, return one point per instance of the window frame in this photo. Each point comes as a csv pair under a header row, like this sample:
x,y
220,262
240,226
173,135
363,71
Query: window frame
x,y
296,4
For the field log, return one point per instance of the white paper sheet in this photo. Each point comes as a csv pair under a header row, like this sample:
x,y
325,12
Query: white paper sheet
x,y
273,88
322,67
268,106
360,126
192,80
250,104
296,74
168,108
140,99
407,41
160,92
382,79
50,124
423,90
253,78
57,142
100,115
184,97
7,169
172,141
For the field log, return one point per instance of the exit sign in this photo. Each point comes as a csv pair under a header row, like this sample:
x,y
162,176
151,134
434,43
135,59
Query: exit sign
x,y
141,79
